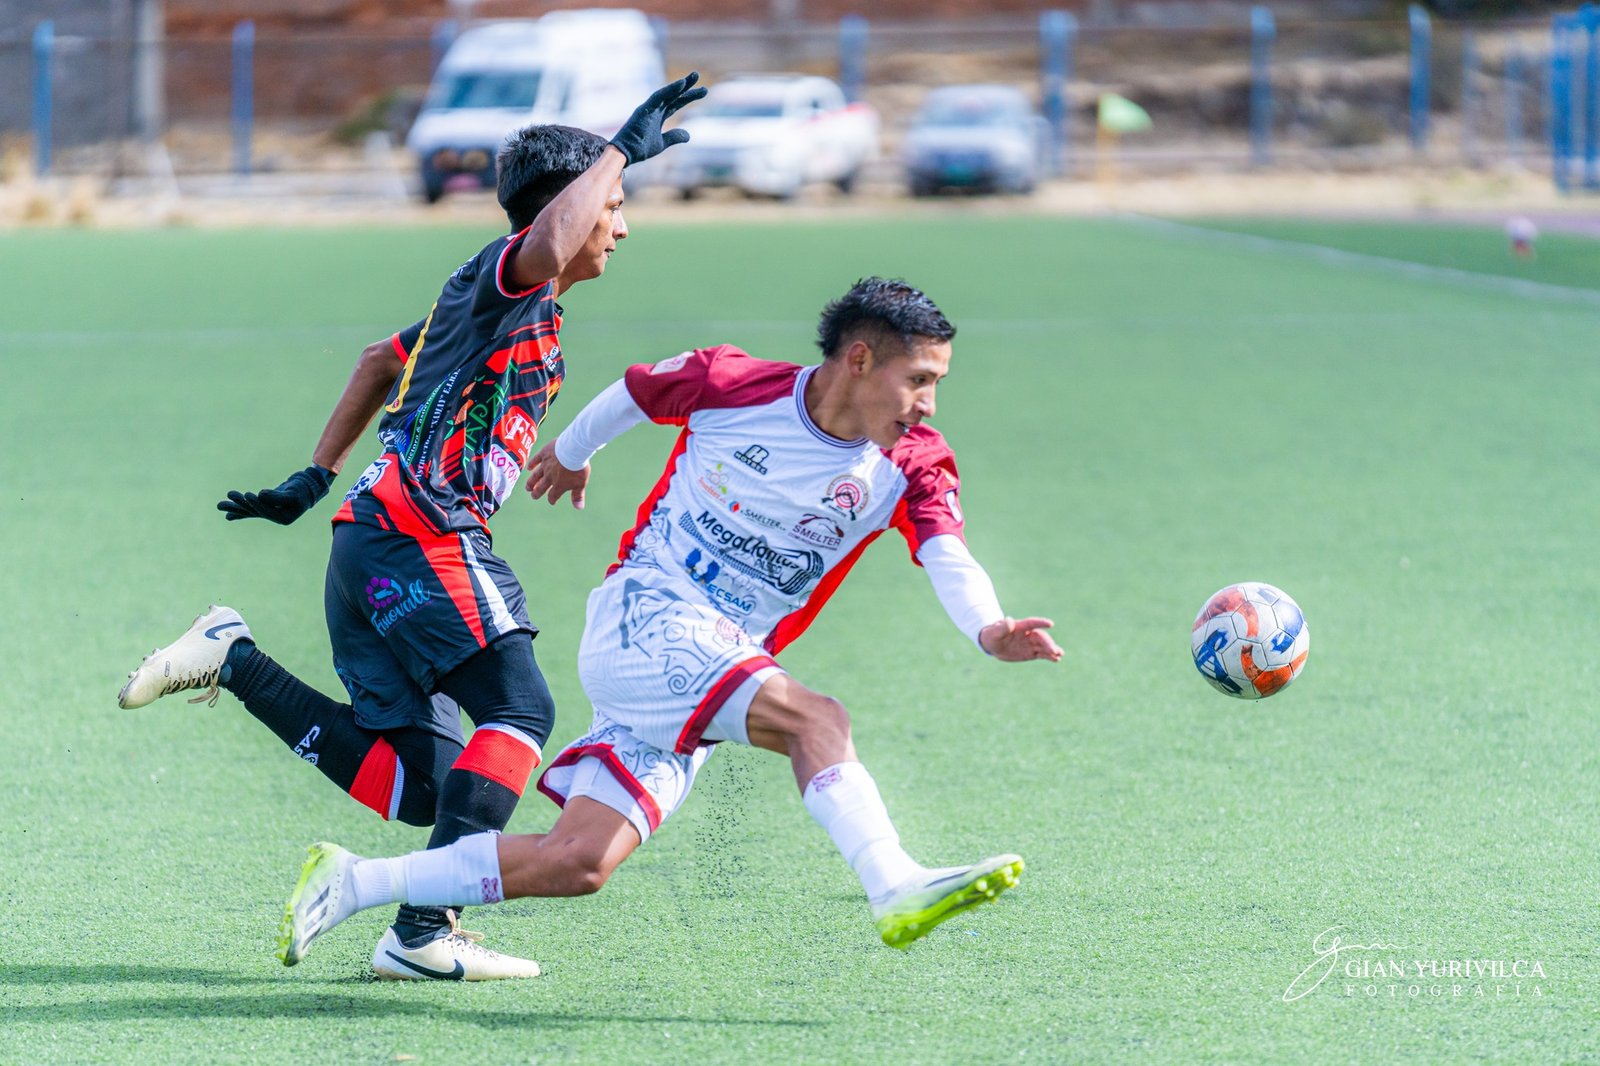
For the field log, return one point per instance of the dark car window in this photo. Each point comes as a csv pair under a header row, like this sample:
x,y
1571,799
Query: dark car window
x,y
486,89
969,111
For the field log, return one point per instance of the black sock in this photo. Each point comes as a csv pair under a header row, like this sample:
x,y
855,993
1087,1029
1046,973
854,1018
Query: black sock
x,y
324,733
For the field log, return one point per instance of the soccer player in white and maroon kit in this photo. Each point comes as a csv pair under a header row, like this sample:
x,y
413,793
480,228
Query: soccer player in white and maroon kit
x,y
780,478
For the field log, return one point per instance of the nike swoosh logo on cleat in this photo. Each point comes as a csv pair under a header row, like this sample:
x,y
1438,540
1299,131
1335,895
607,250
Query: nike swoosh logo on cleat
x,y
211,633
442,975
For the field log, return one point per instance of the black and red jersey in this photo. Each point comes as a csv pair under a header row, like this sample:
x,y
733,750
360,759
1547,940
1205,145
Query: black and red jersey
x,y
480,373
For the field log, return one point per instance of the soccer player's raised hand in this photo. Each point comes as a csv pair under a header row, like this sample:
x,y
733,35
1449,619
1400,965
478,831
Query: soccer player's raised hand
x,y
297,495
640,137
1017,640
547,478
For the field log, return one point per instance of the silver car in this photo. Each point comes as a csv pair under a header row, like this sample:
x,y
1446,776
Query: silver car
x,y
981,137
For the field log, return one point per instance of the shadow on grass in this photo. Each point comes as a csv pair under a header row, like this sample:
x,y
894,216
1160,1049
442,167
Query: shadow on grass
x,y
112,973
344,1001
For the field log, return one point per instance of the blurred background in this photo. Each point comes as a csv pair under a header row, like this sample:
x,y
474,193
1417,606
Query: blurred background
x,y
247,102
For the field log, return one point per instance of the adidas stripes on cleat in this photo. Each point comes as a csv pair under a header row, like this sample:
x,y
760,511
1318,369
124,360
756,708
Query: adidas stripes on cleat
x,y
912,910
322,898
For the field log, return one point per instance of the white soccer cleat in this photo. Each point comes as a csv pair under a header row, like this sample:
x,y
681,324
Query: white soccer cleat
x,y
456,956
192,661
911,911
322,899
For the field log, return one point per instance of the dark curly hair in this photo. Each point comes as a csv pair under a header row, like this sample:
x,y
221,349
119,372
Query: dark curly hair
x,y
882,306
536,163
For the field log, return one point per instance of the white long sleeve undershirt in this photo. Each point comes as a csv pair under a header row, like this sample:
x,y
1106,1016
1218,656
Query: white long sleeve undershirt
x,y
961,583
607,417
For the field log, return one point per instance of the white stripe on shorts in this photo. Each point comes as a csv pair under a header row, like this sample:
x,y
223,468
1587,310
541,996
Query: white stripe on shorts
x,y
399,789
498,613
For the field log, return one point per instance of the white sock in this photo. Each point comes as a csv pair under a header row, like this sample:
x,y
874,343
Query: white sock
x,y
844,800
466,873
374,882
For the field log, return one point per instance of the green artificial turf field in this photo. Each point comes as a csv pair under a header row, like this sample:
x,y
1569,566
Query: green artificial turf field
x,y
1141,416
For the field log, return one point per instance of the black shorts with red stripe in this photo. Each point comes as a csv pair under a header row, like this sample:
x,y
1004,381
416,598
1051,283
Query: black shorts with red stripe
x,y
404,611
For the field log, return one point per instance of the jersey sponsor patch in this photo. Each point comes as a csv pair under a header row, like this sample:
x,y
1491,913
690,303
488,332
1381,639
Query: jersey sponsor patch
x,y
667,366
503,471
789,570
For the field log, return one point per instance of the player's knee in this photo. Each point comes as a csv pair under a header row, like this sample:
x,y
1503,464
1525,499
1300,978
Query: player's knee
x,y
826,716
421,819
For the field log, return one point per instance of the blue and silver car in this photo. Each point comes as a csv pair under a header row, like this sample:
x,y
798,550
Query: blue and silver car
x,y
980,137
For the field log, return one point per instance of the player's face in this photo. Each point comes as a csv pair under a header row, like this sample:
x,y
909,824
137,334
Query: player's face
x,y
897,391
609,228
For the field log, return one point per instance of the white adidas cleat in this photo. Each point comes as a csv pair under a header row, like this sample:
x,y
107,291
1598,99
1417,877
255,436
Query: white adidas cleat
x,y
456,956
192,661
911,911
322,899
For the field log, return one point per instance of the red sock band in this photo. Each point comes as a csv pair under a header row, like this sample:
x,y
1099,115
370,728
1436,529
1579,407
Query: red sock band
x,y
502,756
374,783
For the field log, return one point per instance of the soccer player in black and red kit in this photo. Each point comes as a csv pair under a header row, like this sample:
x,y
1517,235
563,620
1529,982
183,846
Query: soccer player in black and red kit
x,y
424,619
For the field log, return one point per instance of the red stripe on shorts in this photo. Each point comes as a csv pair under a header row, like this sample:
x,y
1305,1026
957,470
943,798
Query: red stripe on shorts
x,y
695,727
500,757
450,564
374,783
608,758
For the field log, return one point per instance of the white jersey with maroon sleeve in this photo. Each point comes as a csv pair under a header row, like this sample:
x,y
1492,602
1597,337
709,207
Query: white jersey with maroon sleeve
x,y
759,510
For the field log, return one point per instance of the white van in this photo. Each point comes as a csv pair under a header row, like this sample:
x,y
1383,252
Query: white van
x,y
588,69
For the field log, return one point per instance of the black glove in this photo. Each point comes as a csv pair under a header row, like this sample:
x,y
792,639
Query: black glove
x,y
297,495
640,137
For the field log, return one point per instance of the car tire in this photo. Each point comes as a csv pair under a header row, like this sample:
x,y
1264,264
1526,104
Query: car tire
x,y
432,185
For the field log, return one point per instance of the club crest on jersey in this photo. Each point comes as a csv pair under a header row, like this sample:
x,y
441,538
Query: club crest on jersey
x,y
846,494
667,366
754,456
369,477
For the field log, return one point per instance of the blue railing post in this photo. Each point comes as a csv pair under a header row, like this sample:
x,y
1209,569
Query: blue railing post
x,y
852,56
44,44
439,42
1561,100
1421,75
1516,71
1589,28
1057,31
244,107
1263,30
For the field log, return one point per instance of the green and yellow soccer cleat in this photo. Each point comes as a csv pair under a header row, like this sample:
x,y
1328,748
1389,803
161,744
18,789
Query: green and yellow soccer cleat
x,y
322,899
912,911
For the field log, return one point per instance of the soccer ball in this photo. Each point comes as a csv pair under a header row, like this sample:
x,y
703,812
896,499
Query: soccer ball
x,y
1250,640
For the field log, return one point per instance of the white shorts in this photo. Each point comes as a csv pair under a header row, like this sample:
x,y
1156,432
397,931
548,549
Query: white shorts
x,y
668,675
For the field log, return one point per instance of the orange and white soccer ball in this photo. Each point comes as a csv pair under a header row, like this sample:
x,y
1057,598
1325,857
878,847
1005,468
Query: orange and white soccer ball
x,y
1250,640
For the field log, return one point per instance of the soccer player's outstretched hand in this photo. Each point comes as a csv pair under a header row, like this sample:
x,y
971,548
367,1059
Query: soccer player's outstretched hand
x,y
297,495
548,478
640,137
1017,640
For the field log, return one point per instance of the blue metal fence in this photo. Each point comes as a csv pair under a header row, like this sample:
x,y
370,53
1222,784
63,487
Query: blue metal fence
x,y
1575,99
